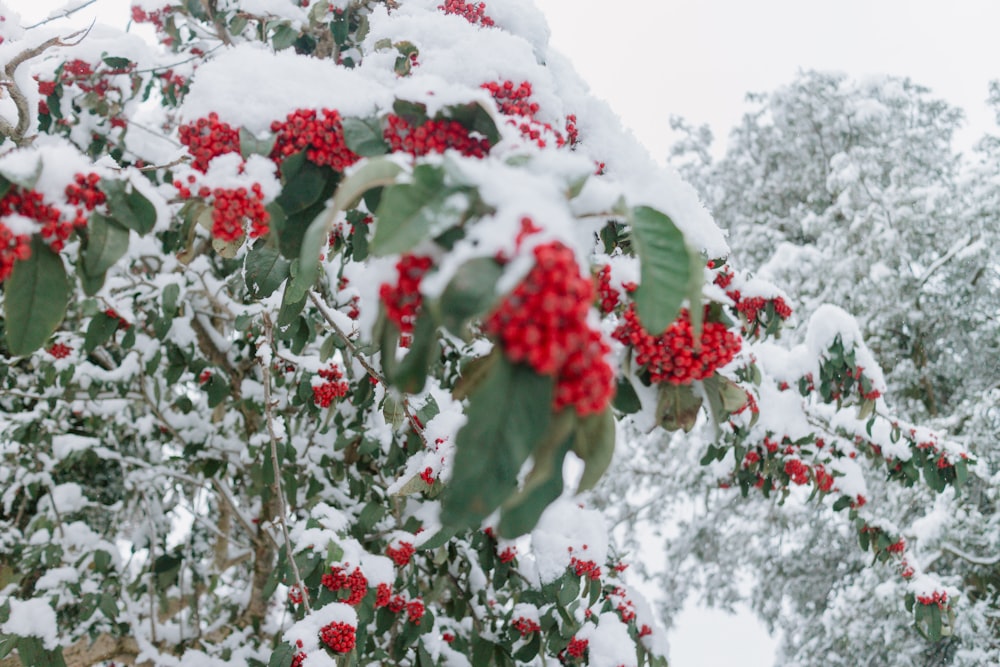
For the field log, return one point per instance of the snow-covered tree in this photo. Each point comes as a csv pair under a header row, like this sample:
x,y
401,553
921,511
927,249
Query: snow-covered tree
x,y
320,320
851,193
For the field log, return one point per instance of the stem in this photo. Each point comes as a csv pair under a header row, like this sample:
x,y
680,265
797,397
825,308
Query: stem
x,y
278,491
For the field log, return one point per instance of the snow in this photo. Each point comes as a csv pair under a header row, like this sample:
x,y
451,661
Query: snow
x,y
609,642
32,618
307,631
564,531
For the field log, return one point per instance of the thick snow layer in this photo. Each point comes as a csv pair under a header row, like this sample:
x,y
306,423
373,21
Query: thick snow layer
x,y
566,531
609,644
32,618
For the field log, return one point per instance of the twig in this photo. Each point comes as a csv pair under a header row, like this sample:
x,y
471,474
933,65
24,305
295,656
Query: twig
x,y
411,417
65,14
975,560
279,492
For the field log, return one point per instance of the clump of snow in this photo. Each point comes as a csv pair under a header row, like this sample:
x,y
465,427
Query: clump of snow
x,y
32,618
609,644
566,531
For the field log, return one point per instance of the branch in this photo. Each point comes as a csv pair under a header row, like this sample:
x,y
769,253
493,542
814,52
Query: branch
x,y
356,354
66,13
16,133
945,258
278,491
975,560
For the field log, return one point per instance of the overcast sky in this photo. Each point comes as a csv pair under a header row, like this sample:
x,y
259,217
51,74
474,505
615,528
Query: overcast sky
x,y
698,58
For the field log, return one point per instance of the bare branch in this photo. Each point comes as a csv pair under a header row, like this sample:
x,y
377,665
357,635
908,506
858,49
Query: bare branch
x,y
64,14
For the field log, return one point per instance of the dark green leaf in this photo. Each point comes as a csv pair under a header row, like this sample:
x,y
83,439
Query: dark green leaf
x,y
128,206
304,188
470,293
665,268
523,512
411,373
100,330
171,293
265,269
35,298
217,389
409,213
282,656
107,241
475,117
508,414
626,400
116,63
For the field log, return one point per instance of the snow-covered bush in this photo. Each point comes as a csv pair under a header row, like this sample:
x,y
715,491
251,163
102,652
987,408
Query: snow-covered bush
x,y
317,317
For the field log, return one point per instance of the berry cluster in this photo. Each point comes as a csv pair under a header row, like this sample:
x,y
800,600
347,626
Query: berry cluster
x,y
508,554
526,626
514,101
577,647
939,598
415,611
402,554
13,247
355,582
472,12
751,307
84,192
672,357
543,323
587,568
334,387
231,207
434,136
55,228
383,594
403,300
607,294
321,137
797,471
60,351
207,138
339,637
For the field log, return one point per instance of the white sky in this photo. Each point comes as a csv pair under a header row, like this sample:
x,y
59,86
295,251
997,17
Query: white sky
x,y
697,58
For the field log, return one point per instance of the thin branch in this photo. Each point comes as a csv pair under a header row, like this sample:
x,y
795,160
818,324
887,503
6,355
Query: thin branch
x,y
66,13
975,560
411,417
279,492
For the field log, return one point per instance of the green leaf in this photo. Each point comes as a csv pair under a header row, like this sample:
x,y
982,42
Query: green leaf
x,y
251,145
545,485
475,117
665,268
282,656
508,414
171,293
265,269
626,400
35,298
128,206
595,444
107,241
99,331
375,173
409,213
364,137
284,36
304,188
302,202
290,309
116,63
217,389
411,373
470,293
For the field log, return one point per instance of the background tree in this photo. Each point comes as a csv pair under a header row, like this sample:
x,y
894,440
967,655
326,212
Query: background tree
x,y
850,193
